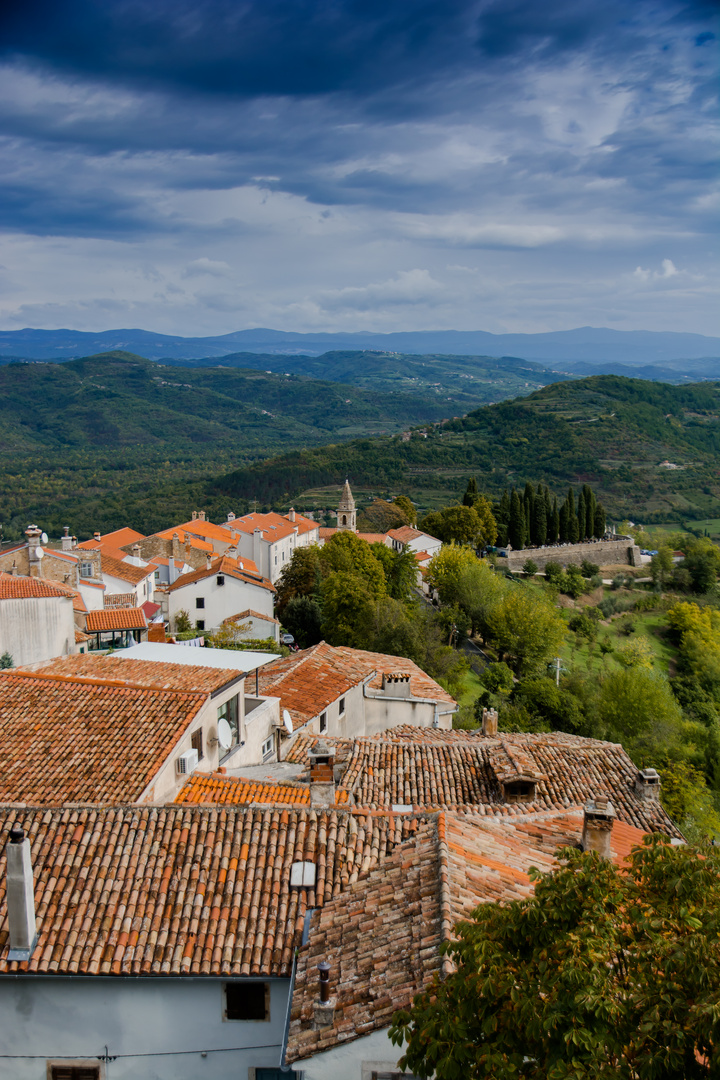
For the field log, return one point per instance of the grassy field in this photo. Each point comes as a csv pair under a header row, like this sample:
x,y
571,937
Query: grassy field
x,y
580,654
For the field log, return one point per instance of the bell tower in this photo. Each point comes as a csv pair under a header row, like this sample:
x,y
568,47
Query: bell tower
x,y
346,510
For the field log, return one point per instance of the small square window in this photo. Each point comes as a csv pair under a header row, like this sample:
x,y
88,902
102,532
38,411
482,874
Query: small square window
x,y
267,749
86,569
67,1071
341,706
199,601
246,1001
323,721
200,624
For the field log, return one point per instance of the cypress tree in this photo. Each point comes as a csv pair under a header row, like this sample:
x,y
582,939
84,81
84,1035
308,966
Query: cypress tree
x,y
563,523
581,516
590,504
599,521
516,525
540,522
529,511
554,524
470,492
572,521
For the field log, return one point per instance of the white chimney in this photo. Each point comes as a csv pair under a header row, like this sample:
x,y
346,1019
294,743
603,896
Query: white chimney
x,y
208,560
291,513
67,540
20,896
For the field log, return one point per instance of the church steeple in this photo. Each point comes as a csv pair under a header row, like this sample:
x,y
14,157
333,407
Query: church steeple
x,y
346,509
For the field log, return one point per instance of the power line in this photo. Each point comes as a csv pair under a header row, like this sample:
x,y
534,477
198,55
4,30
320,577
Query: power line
x,y
154,1053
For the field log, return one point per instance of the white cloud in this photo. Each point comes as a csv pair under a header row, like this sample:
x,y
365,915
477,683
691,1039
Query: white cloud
x,y
407,287
213,267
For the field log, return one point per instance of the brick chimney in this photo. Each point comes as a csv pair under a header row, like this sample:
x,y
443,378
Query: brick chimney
x,y
490,722
598,821
324,1005
322,774
647,785
66,541
20,896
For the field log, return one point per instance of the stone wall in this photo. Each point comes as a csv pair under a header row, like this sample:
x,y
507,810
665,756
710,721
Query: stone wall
x,y
603,553
152,546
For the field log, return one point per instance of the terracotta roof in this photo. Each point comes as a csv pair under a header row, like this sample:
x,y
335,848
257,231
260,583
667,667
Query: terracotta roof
x,y
255,615
149,673
303,524
326,533
150,608
80,637
373,538
406,533
115,619
93,584
55,553
235,791
200,529
382,936
438,769
69,739
224,565
273,526
308,681
125,571
117,539
184,890
15,587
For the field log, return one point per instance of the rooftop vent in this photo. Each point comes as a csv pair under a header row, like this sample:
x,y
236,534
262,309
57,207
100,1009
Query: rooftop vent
x,y
20,896
647,785
489,722
302,875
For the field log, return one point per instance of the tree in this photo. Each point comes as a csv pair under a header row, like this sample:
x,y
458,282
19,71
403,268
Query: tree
x,y
407,508
573,529
381,516
529,513
302,617
516,524
581,516
603,974
300,577
461,524
231,631
470,492
347,610
445,567
400,569
497,678
6,661
347,553
636,707
526,627
554,524
182,622
703,562
488,532
540,522
530,568
661,566
599,523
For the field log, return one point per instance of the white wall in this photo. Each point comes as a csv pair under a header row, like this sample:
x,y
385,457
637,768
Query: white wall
x,y
37,628
221,601
143,590
78,1017
355,1060
383,712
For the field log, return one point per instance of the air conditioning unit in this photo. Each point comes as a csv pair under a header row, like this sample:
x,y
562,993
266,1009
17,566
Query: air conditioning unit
x,y
187,762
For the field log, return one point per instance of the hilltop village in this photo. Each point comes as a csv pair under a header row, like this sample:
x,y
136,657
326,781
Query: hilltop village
x,y
229,855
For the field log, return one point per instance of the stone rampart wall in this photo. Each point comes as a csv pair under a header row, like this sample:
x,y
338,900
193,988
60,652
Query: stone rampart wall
x,y
603,553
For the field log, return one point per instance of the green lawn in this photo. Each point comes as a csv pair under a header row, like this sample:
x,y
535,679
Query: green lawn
x,y
578,653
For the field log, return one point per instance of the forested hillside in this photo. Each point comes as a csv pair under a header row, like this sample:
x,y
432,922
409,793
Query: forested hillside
x,y
609,431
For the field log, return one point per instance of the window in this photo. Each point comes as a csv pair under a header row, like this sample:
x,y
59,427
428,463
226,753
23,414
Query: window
x,y
276,560
273,1074
200,624
67,1071
341,706
196,741
323,721
229,712
246,1001
199,601
86,569
220,579
267,749
157,577
283,558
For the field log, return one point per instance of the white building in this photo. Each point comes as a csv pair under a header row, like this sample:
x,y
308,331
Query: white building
x,y
270,539
225,588
36,619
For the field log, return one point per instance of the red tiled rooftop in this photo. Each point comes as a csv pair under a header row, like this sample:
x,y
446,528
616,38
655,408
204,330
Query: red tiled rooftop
x,y
203,529
224,565
223,790
15,587
117,539
81,740
125,571
115,619
150,673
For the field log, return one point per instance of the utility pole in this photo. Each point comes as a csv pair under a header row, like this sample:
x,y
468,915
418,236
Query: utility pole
x,y
557,670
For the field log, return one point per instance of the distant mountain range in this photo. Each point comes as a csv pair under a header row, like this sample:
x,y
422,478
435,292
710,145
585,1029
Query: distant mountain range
x,y
602,349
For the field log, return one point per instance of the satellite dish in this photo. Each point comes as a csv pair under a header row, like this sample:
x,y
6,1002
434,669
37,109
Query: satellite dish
x,y
225,735
44,538
39,552
287,721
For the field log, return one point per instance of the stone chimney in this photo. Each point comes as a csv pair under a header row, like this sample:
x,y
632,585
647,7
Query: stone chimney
x,y
396,684
66,541
201,515
647,785
97,536
322,774
136,550
490,722
324,1005
598,821
20,896
291,513
33,535
194,515
175,549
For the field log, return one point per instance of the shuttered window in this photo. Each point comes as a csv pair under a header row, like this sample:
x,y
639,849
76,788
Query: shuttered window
x,y
75,1072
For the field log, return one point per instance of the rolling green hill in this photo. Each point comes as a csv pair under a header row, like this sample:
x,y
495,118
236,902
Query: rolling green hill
x,y
609,431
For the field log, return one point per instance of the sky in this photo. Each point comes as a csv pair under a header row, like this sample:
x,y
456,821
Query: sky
x,y
504,165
